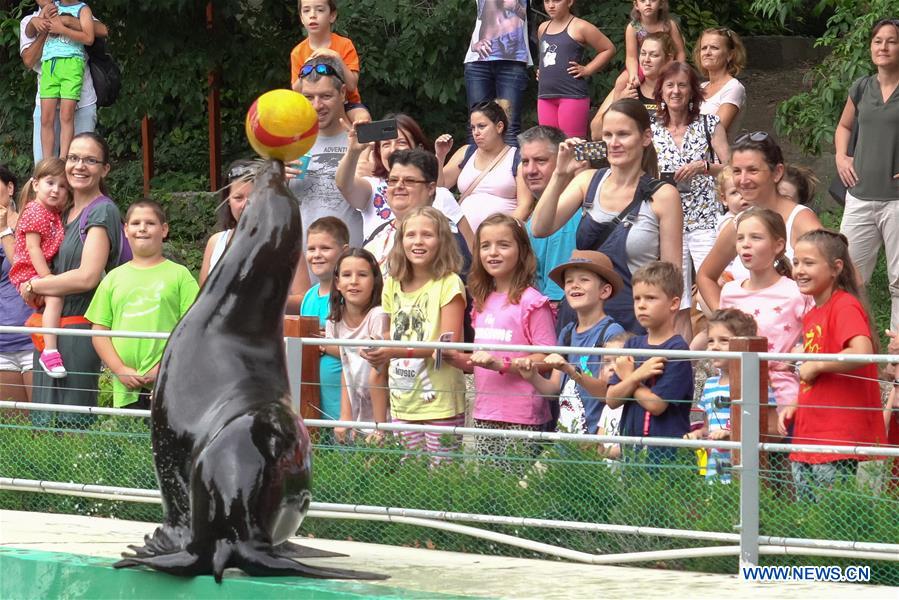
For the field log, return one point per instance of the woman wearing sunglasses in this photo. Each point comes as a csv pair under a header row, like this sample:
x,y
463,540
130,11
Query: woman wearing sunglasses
x,y
871,177
367,191
485,171
85,255
758,165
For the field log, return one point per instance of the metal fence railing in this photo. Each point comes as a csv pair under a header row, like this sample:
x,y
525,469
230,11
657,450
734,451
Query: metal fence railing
x,y
548,493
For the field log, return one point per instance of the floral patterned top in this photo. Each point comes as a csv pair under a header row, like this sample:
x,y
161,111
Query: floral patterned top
x,y
698,194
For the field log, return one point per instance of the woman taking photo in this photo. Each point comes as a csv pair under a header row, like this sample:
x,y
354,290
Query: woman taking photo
x,y
368,194
16,349
719,54
758,166
78,267
871,177
691,148
485,171
650,225
656,52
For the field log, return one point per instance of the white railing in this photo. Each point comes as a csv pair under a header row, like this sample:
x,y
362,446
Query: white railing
x,y
750,546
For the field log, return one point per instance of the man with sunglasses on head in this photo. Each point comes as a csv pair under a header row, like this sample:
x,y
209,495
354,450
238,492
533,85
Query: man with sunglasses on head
x,y
312,177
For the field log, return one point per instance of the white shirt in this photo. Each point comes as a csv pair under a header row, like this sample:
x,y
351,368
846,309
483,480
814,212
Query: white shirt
x,y
88,95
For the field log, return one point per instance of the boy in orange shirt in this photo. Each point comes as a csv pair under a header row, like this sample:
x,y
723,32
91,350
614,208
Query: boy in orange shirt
x,y
317,17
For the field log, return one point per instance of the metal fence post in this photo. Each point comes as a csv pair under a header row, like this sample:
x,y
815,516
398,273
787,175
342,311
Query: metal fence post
x,y
295,370
749,460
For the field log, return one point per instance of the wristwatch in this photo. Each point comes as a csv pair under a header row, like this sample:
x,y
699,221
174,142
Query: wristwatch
x,y
6,232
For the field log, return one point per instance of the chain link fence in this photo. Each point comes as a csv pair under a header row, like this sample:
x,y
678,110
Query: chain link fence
x,y
558,491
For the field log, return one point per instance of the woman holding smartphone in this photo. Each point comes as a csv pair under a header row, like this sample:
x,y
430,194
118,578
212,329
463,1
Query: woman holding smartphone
x,y
630,216
368,193
692,150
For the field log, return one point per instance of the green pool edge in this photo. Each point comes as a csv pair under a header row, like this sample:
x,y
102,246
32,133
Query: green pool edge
x,y
26,574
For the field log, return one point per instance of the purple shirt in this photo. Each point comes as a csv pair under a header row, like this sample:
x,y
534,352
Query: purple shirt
x,y
13,311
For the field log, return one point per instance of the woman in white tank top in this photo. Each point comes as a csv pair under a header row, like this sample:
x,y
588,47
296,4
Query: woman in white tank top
x,y
758,165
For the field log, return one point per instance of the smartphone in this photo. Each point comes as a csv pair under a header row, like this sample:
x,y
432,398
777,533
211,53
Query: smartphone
x,y
591,151
301,164
438,356
668,176
376,131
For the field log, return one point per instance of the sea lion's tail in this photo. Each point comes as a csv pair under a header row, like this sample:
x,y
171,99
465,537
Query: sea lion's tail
x,y
257,559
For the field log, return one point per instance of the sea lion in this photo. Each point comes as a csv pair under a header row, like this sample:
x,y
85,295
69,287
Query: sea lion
x,y
233,461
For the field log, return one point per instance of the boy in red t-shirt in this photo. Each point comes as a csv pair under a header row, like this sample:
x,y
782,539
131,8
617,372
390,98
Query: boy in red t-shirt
x,y
317,17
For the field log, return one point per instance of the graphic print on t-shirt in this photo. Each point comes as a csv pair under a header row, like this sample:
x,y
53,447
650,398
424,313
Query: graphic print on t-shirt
x,y
409,324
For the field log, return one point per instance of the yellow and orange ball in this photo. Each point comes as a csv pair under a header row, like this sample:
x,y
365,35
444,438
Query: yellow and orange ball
x,y
282,124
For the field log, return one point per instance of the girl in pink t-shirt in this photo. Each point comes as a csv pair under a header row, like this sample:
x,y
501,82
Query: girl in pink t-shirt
x,y
507,310
769,295
39,234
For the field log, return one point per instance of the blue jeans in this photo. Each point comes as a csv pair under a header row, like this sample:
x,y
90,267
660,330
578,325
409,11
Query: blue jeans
x,y
493,79
85,120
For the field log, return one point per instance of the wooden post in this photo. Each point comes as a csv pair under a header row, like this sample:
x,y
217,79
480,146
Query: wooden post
x,y
310,390
767,415
215,117
146,138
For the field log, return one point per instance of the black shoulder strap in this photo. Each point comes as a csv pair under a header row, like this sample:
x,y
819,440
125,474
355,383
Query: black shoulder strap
x,y
592,188
469,152
516,160
374,233
600,341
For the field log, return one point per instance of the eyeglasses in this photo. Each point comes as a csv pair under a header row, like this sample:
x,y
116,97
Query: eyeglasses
x,y
240,171
321,69
755,136
393,182
88,161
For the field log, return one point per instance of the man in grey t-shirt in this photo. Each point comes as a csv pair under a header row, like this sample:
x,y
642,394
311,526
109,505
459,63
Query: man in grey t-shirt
x,y
313,175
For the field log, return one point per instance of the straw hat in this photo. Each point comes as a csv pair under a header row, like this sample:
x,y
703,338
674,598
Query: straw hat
x,y
590,260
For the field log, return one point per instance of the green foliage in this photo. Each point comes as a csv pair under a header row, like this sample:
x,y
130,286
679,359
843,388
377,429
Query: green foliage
x,y
809,118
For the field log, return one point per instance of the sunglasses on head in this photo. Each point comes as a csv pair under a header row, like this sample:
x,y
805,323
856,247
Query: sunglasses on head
x,y
321,69
240,172
755,136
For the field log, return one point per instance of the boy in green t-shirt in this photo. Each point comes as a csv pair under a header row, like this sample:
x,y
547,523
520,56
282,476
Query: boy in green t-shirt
x,y
148,293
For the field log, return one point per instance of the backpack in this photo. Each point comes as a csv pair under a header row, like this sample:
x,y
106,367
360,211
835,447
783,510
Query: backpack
x,y
106,74
568,406
472,148
124,255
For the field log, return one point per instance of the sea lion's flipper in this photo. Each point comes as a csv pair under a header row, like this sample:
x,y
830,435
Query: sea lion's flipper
x,y
290,550
167,539
181,563
253,559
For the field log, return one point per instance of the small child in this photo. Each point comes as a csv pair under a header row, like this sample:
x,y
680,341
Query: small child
x,y
723,324
148,293
732,204
562,96
326,239
507,310
317,17
39,234
62,76
657,392
425,299
356,314
839,401
589,279
648,16
798,184
610,419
